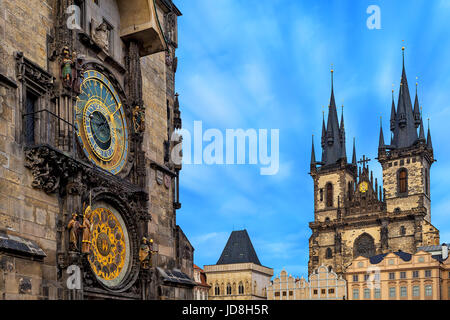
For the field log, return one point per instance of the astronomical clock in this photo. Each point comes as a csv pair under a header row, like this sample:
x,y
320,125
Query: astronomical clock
x,y
101,124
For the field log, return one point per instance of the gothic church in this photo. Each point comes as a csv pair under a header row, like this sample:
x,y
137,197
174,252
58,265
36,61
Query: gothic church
x,y
354,215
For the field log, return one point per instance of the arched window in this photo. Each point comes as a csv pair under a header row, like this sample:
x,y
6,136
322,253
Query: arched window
x,y
321,195
217,290
329,195
427,191
228,289
241,288
327,219
329,254
364,246
402,181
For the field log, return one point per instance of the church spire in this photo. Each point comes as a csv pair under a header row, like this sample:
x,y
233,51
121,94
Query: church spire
x,y
417,117
354,153
313,154
381,144
333,144
405,130
342,132
429,143
422,131
393,114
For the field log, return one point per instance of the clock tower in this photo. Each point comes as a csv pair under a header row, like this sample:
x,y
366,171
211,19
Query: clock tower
x,y
88,190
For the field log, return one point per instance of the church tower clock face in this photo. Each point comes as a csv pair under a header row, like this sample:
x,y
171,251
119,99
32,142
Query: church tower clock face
x,y
110,251
101,123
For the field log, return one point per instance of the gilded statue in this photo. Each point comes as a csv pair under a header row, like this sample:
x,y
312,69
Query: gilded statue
x,y
145,253
74,228
87,230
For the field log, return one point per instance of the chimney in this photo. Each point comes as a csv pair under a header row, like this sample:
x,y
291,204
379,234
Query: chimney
x,y
444,251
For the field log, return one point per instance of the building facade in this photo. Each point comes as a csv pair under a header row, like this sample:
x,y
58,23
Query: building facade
x,y
88,191
353,214
323,285
399,276
238,274
201,290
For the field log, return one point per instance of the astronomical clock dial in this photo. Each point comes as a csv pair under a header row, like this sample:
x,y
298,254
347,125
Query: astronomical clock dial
x,y
363,187
101,123
109,254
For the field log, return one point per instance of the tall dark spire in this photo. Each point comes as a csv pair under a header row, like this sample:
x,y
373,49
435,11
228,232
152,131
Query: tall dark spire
x,y
313,154
342,132
333,143
405,130
422,131
429,143
381,144
393,114
354,153
417,117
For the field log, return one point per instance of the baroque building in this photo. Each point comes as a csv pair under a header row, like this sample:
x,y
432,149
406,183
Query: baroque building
x,y
88,191
400,276
323,284
238,274
354,215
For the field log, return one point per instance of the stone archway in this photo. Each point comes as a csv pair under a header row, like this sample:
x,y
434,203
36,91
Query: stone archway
x,y
364,246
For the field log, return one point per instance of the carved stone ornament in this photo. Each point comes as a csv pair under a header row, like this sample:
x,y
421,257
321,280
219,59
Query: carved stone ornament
x,y
49,168
159,177
100,35
35,76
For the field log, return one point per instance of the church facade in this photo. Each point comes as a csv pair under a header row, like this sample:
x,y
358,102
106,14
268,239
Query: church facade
x,y
88,190
354,214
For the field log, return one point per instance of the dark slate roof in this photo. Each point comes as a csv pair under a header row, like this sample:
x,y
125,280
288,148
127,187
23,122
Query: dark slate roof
x,y
380,257
21,246
175,276
239,249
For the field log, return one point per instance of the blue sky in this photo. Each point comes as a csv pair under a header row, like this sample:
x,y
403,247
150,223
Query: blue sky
x,y
266,64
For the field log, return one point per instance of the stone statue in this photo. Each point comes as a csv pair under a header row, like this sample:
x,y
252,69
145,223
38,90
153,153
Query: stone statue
x,y
145,253
87,230
66,68
77,73
101,35
74,228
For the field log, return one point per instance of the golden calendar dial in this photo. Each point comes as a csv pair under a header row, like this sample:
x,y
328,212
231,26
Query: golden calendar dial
x,y
109,254
101,123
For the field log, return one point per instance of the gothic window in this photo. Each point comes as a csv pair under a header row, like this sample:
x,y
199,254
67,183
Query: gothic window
x,y
427,191
228,289
217,290
327,219
328,254
364,246
329,195
321,194
402,181
241,288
